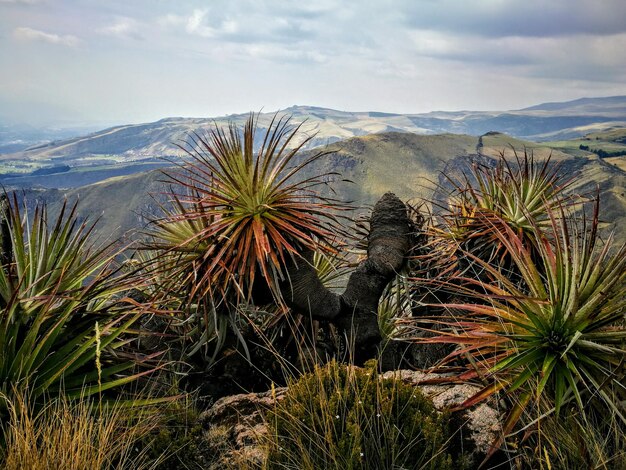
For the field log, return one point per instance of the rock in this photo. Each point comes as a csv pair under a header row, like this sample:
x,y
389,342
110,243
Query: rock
x,y
239,423
478,426
234,427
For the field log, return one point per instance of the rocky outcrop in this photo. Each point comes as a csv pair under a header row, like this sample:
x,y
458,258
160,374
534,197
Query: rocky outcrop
x,y
234,428
478,426
235,425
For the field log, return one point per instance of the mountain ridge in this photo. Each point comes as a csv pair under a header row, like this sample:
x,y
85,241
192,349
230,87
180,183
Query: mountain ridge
x,y
129,148
407,164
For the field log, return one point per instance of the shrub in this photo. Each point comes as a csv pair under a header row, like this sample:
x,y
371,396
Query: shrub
x,y
343,417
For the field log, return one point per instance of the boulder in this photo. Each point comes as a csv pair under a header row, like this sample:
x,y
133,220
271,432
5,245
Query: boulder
x,y
234,428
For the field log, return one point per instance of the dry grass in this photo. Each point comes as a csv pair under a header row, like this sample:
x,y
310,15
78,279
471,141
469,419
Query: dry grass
x,y
74,435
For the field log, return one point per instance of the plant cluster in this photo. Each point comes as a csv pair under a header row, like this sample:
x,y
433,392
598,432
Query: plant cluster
x,y
547,323
343,417
74,435
520,283
62,315
242,212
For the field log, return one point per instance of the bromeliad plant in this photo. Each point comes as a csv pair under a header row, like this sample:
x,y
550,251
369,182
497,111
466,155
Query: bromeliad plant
x,y
490,201
243,210
558,333
261,213
61,326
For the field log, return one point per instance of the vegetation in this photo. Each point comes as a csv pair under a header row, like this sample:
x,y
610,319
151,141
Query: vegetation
x,y
574,440
341,417
548,325
521,285
601,152
73,435
490,201
62,321
242,218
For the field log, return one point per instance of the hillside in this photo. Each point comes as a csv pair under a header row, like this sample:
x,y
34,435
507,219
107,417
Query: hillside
x,y
124,149
409,165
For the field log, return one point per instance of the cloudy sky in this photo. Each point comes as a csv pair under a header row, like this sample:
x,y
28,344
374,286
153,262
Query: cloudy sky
x,y
73,61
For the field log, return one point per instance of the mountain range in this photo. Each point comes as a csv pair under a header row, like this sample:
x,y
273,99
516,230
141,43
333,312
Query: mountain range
x,y
117,173
133,148
413,166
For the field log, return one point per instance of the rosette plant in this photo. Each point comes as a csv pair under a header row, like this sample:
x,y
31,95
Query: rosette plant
x,y
63,315
242,210
557,333
492,200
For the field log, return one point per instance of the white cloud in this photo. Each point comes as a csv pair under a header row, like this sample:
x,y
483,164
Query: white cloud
x,y
123,28
283,54
201,23
30,34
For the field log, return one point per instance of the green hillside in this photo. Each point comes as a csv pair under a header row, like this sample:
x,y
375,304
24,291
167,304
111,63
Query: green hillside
x,y
408,164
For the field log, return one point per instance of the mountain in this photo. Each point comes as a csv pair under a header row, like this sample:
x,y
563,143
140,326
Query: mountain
x,y
131,148
410,165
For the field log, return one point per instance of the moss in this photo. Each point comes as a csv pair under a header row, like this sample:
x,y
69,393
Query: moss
x,y
346,417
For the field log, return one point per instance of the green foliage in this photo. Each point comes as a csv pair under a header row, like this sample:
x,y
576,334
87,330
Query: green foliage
x,y
343,417
548,324
560,330
394,304
174,442
491,200
603,153
55,291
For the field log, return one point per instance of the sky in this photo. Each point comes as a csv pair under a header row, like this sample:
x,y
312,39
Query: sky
x,y
92,61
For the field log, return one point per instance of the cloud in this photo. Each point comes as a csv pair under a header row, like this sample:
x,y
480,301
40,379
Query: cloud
x,y
30,34
528,18
277,53
582,56
123,28
248,24
201,23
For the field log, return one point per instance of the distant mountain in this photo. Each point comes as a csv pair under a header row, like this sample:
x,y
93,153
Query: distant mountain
x,y
124,149
17,137
607,106
408,164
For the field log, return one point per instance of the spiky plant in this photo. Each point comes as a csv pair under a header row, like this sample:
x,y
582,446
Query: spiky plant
x,y
240,212
394,305
491,200
558,333
56,290
259,208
